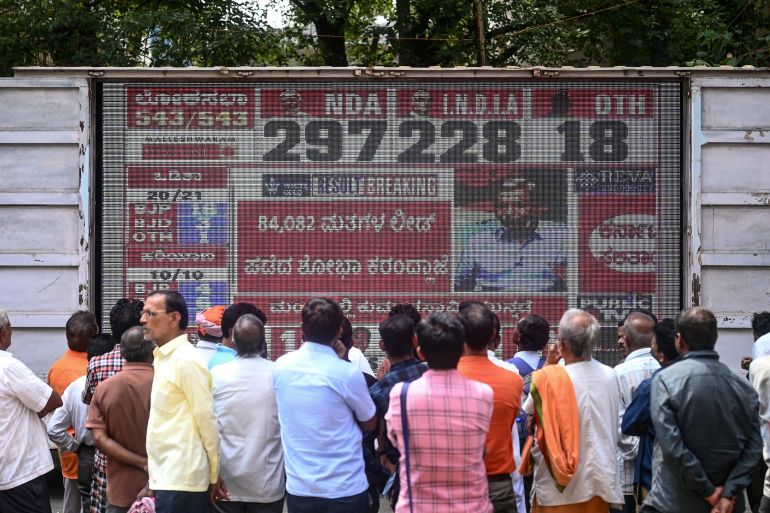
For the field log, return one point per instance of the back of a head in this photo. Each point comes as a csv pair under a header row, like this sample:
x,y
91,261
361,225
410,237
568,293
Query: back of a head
x,y
579,331
134,347
125,314
4,320
407,309
665,334
638,330
534,332
698,328
249,336
80,327
397,333
644,311
235,311
760,324
100,344
175,302
321,320
346,336
479,326
441,339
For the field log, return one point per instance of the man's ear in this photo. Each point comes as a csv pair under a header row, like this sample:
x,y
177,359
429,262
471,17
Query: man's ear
x,y
420,354
679,344
382,346
176,317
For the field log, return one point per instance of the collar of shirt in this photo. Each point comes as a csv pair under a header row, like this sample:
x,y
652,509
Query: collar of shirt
x,y
137,365
76,354
5,354
636,354
170,346
224,349
317,347
710,355
205,344
403,365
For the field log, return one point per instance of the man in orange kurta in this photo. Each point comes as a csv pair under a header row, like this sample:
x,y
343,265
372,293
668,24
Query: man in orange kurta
x,y
80,327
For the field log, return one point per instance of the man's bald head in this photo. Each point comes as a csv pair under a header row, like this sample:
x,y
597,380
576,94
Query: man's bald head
x,y
697,328
248,336
638,331
134,347
579,331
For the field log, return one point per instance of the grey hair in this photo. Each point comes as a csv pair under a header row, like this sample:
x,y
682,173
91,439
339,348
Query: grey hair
x,y
4,320
579,331
636,338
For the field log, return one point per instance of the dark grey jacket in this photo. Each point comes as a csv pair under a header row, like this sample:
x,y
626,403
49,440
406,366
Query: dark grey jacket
x,y
707,424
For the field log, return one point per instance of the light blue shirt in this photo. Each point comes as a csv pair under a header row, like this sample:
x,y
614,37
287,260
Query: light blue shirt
x,y
320,398
224,354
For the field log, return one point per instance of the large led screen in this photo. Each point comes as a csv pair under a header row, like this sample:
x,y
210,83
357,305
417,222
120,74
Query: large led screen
x,y
532,196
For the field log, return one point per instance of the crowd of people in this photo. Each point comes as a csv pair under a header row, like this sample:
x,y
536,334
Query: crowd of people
x,y
145,420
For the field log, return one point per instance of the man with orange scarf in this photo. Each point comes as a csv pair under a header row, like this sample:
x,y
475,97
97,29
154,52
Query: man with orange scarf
x,y
575,408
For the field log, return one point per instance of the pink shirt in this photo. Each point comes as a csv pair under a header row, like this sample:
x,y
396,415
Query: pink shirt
x,y
448,423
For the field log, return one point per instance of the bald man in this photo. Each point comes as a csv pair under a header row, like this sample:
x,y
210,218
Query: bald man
x,y
638,366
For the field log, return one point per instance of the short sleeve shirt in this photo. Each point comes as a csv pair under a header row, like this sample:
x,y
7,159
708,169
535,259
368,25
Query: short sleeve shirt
x,y
320,398
121,406
24,453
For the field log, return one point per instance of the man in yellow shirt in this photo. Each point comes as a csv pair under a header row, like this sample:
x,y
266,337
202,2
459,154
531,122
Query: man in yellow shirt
x,y
182,438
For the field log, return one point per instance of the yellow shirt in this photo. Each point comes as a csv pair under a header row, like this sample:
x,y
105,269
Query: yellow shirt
x,y
182,438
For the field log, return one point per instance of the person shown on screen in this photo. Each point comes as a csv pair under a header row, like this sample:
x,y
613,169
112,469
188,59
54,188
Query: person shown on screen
x,y
511,253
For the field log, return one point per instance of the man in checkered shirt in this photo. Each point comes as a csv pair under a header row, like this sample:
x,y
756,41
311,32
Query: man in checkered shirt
x,y
637,367
448,420
124,315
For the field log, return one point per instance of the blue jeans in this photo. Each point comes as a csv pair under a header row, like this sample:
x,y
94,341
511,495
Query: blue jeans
x,y
353,504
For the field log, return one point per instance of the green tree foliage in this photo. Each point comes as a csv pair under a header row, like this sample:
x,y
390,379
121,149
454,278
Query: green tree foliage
x,y
543,32
134,33
383,33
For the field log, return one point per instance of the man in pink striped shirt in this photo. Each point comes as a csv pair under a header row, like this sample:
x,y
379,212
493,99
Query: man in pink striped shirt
x,y
448,420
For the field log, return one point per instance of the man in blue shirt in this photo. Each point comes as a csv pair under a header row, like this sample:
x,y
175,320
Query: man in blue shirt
x,y
226,350
323,406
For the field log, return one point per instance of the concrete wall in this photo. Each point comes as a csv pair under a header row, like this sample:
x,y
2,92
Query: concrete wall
x,y
44,198
729,214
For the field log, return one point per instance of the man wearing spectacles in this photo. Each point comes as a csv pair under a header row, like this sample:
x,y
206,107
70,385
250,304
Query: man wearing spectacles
x,y
182,438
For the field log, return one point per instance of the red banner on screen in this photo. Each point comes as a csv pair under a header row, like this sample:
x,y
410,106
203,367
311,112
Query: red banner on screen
x,y
389,245
185,108
618,244
324,103
177,177
460,103
594,104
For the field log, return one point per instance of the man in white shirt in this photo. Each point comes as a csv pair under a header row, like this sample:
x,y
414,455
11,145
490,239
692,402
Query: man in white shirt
x,y
24,454
594,485
638,366
73,413
251,458
323,406
760,327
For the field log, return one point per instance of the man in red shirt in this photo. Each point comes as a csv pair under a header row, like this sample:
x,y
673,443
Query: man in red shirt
x,y
506,386
79,329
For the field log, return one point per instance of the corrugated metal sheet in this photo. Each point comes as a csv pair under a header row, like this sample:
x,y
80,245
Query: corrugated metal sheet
x,y
730,205
44,198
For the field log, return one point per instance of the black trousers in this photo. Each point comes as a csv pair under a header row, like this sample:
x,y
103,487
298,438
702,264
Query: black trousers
x,y
353,504
167,501
30,497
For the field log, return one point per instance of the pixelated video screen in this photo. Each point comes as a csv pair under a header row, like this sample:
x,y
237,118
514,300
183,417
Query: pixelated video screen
x,y
532,196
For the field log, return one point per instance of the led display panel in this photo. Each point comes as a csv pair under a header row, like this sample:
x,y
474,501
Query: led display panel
x,y
532,196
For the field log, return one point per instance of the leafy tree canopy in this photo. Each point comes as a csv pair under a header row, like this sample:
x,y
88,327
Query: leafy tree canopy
x,y
383,32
